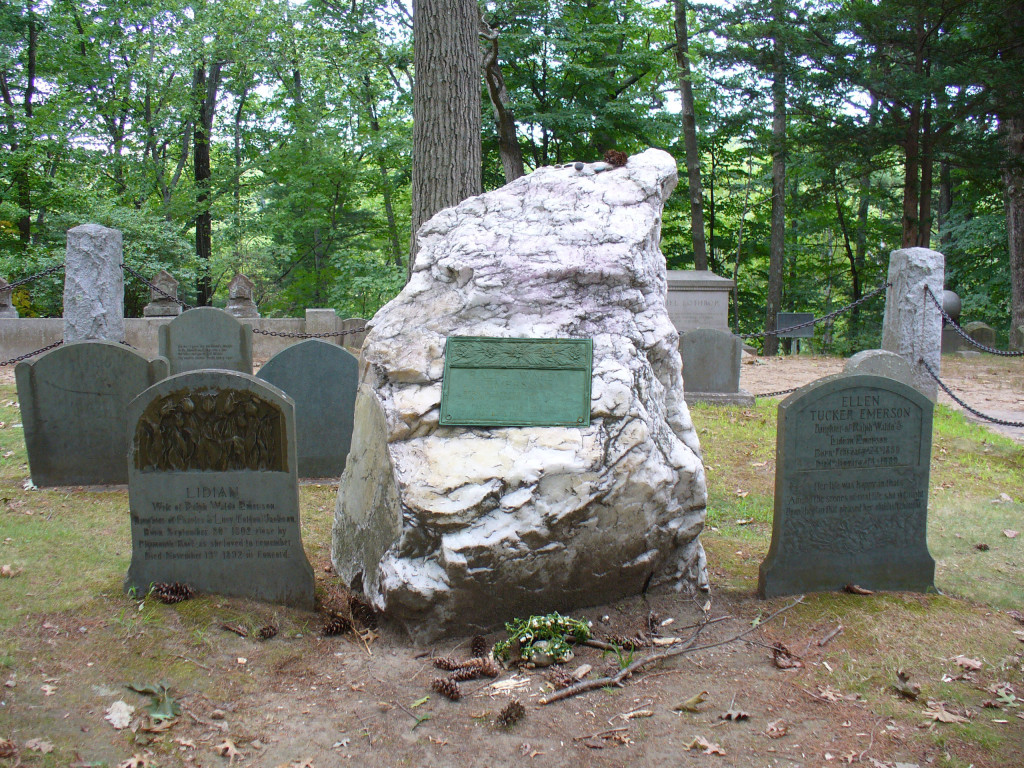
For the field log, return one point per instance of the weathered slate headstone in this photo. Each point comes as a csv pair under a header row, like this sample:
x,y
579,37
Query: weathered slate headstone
x,y
213,490
73,401
322,379
881,363
711,367
983,333
851,488
7,309
206,337
93,284
240,303
161,303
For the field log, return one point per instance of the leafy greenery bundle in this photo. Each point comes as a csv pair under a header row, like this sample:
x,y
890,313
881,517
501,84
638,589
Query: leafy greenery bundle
x,y
553,629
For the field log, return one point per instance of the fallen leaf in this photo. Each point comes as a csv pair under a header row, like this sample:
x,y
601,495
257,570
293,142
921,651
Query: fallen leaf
x,y
7,748
185,743
119,714
853,589
420,702
135,761
906,688
734,714
937,712
783,658
705,746
8,571
1011,534
982,547
436,740
228,749
690,705
48,690
967,663
1016,615
741,493
776,729
38,745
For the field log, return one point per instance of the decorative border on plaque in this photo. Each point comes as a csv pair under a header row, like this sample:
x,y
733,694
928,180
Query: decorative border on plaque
x,y
209,429
516,382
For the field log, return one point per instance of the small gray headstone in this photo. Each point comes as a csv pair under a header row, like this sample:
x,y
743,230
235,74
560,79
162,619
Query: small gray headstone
x,y
881,363
322,379
711,367
213,490
204,338
93,284
164,286
7,309
73,401
240,303
851,488
982,333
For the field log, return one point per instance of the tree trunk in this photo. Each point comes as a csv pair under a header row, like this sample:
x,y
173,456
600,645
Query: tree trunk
x,y
446,167
739,249
924,235
700,249
945,201
508,143
1012,129
205,90
777,244
911,223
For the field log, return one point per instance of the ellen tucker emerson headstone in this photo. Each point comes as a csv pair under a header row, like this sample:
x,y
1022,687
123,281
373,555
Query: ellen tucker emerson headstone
x,y
213,489
322,379
851,488
204,338
73,401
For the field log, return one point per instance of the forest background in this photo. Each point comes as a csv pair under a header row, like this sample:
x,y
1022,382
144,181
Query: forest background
x,y
275,137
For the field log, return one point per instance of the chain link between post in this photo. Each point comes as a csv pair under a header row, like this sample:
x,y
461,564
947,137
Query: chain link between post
x,y
26,356
30,278
824,318
290,335
965,406
966,336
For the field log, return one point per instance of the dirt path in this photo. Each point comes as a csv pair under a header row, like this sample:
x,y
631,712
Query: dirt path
x,y
992,385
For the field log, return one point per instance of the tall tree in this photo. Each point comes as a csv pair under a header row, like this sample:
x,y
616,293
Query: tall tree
x,y
694,187
446,151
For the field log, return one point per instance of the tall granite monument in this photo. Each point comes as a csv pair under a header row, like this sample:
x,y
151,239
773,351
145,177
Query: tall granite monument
x,y
452,528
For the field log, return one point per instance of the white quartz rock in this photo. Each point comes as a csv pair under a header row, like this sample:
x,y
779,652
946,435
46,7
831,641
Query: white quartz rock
x,y
455,529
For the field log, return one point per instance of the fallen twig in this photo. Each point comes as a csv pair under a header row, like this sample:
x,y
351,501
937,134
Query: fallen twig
x,y
829,636
192,661
602,734
687,647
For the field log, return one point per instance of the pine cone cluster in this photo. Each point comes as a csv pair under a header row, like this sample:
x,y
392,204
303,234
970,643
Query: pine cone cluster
x,y
173,592
480,648
266,632
511,714
335,625
468,669
559,678
448,688
362,612
448,663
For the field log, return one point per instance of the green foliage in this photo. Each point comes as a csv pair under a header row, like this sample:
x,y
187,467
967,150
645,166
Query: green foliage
x,y
552,629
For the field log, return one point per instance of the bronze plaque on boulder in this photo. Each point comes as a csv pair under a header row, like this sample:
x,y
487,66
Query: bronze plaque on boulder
x,y
516,382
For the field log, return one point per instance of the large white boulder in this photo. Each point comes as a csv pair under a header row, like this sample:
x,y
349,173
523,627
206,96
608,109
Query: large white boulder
x,y
457,528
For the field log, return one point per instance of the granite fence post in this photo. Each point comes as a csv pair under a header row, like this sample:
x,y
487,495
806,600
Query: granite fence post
x,y
912,326
93,284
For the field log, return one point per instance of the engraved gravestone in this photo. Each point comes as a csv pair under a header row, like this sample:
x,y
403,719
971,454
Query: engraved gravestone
x,y
711,367
73,401
322,379
206,337
163,293
851,488
213,490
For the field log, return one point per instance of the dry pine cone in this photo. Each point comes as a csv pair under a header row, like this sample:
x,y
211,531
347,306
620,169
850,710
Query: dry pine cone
x,y
479,647
448,688
485,667
362,612
625,642
335,625
266,632
447,662
615,158
559,678
511,714
173,592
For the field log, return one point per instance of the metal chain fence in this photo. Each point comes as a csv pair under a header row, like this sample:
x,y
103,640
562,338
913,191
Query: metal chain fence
x,y
823,319
967,337
134,273
331,334
965,406
776,393
26,356
30,278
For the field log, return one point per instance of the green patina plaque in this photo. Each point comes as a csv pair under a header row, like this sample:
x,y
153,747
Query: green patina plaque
x,y
516,382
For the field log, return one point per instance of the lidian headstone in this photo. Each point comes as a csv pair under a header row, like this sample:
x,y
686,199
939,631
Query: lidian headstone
x,y
162,296
322,379
213,489
240,303
711,367
73,401
93,284
851,488
881,363
7,309
206,337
